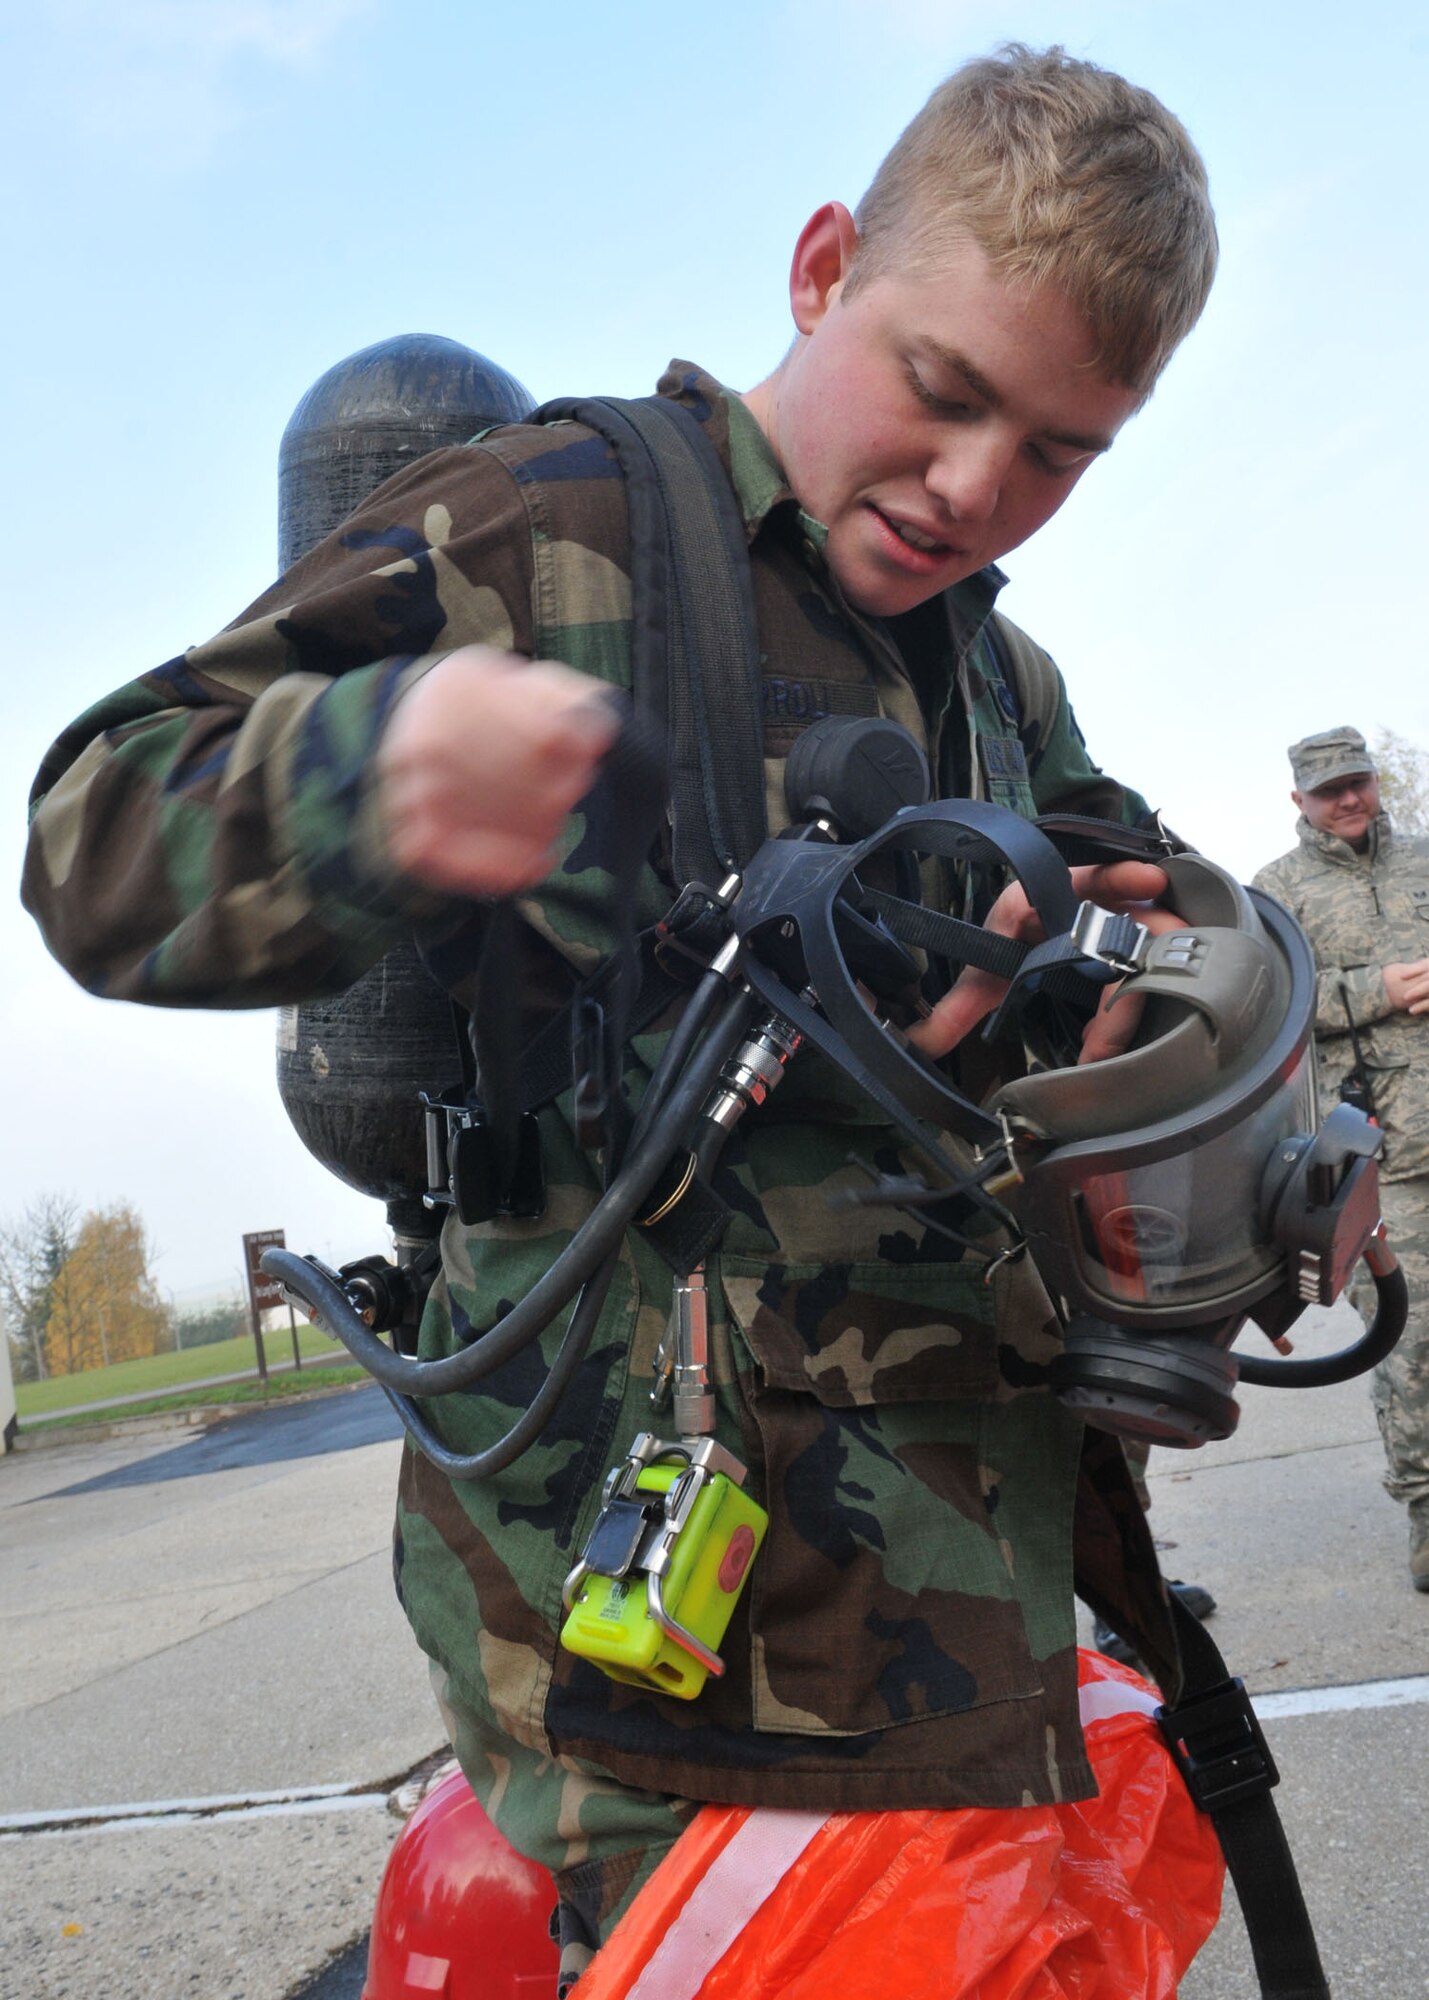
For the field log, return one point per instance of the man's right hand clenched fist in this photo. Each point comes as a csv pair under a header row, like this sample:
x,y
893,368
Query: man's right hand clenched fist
x,y
481,761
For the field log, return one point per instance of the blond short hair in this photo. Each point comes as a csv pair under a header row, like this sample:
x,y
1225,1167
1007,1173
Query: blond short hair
x,y
1063,174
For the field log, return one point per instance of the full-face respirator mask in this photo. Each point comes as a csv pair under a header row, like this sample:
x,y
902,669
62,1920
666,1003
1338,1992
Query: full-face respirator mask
x,y
1167,1195
1173,1192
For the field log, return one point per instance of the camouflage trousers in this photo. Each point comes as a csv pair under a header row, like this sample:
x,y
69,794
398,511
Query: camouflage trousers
x,y
601,1840
1401,1381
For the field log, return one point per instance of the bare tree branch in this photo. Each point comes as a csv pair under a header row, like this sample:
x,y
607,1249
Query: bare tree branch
x,y
1403,781
34,1249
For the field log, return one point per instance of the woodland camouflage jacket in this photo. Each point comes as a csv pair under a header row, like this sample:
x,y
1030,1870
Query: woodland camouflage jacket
x,y
1362,912
207,837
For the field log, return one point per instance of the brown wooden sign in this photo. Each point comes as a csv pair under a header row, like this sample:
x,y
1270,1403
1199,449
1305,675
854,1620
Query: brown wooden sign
x,y
263,1292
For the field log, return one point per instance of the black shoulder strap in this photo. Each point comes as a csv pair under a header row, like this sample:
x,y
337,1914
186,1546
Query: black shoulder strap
x,y
695,674
696,636
1218,1746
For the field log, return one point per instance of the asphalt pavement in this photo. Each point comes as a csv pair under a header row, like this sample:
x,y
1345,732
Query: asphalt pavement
x,y
209,1691
1289,1527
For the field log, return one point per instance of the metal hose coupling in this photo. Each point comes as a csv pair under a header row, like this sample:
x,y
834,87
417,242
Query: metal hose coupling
x,y
753,1070
744,1083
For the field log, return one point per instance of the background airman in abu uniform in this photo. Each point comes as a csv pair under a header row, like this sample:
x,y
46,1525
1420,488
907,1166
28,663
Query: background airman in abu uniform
x,y
1361,893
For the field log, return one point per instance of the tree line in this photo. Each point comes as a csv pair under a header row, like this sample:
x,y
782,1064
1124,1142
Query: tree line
x,y
78,1291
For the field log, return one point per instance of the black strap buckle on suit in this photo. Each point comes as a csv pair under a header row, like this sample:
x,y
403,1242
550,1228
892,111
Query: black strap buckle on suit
x,y
1220,1751
1219,1747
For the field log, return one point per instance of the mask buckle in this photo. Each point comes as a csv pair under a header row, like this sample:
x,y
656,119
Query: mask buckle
x,y
1010,1175
1110,937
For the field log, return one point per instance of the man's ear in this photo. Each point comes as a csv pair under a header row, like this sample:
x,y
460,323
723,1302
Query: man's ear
x,y
822,257
1299,802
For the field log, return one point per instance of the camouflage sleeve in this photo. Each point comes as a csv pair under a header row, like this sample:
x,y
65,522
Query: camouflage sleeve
x,y
1064,778
1361,985
207,836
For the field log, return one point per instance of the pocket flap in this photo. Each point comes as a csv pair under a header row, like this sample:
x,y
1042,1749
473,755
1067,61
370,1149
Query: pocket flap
x,y
866,1333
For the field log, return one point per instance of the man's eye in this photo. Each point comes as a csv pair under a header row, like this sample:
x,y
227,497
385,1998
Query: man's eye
x,y
930,399
1056,461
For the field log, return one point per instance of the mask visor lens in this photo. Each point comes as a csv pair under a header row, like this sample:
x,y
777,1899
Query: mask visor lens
x,y
1188,1229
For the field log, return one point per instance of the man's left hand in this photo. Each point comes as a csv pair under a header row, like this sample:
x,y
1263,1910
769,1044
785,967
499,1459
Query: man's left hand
x,y
1122,886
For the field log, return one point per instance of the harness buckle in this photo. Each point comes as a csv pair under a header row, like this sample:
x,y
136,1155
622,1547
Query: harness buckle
x,y
696,924
1218,1746
463,1171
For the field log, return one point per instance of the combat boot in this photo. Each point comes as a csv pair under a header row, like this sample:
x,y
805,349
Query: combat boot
x,y
1419,1544
1197,1600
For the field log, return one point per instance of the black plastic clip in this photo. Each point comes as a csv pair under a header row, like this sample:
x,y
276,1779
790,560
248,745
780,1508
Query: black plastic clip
x,y
1219,1748
479,1188
692,930
588,1066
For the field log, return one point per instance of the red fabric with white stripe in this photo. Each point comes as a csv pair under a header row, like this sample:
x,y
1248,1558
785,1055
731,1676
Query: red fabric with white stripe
x,y
1108,1899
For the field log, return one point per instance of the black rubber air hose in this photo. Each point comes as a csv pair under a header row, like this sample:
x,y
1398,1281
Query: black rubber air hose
x,y
533,1420
1378,1338
595,1241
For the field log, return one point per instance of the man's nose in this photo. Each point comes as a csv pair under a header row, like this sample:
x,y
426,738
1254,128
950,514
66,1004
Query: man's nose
x,y
968,473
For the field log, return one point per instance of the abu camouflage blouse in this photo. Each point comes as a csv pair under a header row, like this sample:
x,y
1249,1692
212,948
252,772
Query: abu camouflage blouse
x,y
1362,912
207,836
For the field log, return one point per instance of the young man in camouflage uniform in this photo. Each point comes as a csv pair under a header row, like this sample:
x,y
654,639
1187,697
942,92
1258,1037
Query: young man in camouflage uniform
x,y
402,727
1361,894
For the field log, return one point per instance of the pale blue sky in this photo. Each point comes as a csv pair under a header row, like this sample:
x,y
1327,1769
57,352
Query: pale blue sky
x,y
210,201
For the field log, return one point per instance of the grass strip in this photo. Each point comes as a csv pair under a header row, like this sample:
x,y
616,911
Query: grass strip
x,y
162,1372
291,1385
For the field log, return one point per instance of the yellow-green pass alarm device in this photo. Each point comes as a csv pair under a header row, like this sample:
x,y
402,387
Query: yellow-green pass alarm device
x,y
650,1599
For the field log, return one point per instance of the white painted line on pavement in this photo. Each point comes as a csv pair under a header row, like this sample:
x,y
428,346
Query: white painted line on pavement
x,y
1339,1700
297,1799
306,1799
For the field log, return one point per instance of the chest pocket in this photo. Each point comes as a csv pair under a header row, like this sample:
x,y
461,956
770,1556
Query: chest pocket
x,y
1342,926
1419,901
1004,773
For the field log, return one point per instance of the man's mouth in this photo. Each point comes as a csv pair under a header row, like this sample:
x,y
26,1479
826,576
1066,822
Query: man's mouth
x,y
914,537
918,540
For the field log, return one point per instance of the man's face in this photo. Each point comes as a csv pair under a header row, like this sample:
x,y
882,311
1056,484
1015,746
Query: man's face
x,y
933,422
1347,808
